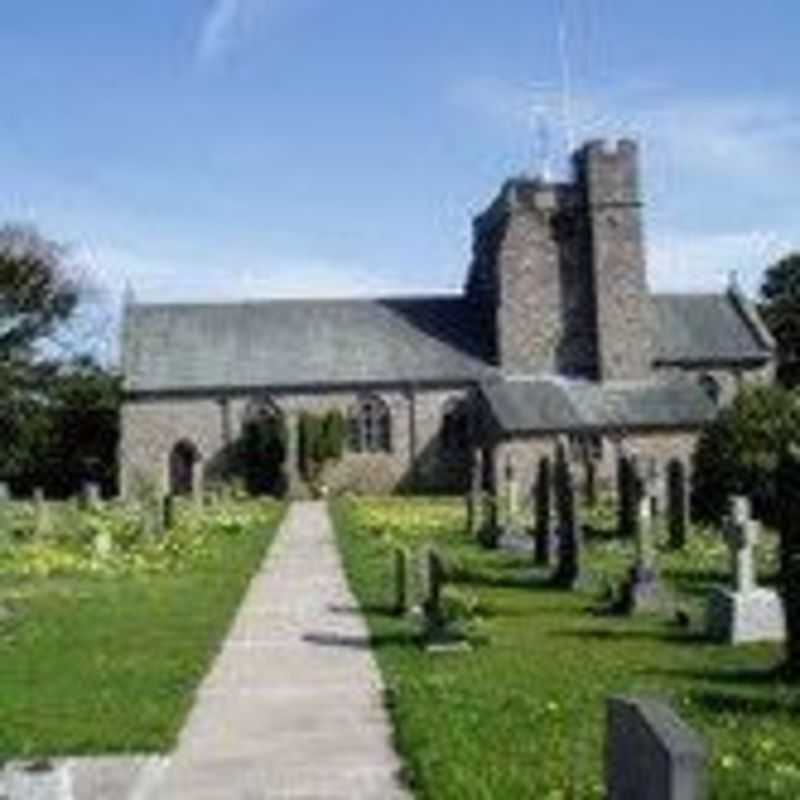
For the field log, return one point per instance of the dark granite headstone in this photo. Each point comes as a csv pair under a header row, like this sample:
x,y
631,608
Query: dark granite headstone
x,y
401,576
570,540
543,545
652,754
677,504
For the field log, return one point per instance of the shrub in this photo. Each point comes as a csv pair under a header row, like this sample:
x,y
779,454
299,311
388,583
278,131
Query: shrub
x,y
738,452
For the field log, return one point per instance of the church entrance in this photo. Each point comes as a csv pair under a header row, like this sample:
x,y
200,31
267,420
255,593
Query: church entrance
x,y
183,463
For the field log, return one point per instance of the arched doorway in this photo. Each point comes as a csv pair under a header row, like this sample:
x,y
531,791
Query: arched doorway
x,y
183,462
263,448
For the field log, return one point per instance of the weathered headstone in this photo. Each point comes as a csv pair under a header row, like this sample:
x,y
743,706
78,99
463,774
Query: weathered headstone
x,y
474,496
434,616
90,495
5,492
543,547
631,490
489,532
401,578
570,542
511,500
41,514
745,613
168,513
651,486
677,504
642,590
652,754
788,480
590,485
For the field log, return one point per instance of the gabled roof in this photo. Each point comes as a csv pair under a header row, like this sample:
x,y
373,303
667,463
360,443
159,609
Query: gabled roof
x,y
290,343
559,405
708,328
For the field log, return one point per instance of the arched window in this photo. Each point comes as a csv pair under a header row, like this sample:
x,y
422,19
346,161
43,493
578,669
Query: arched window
x,y
710,385
455,427
369,426
182,462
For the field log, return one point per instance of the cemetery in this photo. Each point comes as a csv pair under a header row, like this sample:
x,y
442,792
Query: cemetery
x,y
109,618
589,633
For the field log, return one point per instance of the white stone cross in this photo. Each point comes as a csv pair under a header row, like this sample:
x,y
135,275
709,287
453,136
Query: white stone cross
x,y
741,534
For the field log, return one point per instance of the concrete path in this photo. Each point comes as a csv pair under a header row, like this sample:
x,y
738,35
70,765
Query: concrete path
x,y
292,706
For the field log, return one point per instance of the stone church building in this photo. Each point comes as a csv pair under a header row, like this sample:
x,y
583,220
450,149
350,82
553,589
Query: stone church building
x,y
555,335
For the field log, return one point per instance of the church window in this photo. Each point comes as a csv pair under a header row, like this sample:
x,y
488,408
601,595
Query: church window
x,y
710,385
369,426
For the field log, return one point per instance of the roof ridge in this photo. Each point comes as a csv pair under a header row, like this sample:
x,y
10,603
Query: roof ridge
x,y
356,300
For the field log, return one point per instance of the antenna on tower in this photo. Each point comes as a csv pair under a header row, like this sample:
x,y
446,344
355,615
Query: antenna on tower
x,y
544,153
566,77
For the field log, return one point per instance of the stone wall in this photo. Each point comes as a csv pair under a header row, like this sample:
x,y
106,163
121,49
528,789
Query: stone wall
x,y
524,453
609,176
152,427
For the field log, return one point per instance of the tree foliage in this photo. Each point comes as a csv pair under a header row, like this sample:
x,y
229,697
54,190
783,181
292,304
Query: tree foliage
x,y
321,439
37,291
780,306
59,418
262,454
738,453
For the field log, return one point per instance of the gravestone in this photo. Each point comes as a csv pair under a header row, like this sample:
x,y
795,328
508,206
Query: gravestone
x,y
677,504
570,543
41,514
432,606
745,612
631,489
5,493
474,496
168,513
652,754
642,590
544,544
90,495
511,496
401,577
489,532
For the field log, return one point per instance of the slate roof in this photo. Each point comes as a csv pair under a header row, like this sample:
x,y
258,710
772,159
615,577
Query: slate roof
x,y
290,343
708,328
560,405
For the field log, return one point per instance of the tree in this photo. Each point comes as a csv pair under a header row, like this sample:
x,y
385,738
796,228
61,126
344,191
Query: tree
x,y
59,417
738,452
37,291
780,306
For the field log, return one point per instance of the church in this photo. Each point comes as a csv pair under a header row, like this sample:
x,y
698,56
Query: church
x,y
555,336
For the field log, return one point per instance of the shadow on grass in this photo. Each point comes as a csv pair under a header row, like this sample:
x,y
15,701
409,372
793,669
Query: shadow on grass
x,y
613,635
722,702
366,642
529,579
774,676
376,609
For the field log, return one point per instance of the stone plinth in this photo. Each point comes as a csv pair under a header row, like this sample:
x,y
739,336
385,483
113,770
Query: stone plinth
x,y
738,618
745,613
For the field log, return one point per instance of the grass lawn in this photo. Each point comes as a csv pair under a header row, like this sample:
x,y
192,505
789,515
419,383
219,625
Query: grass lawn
x,y
102,653
523,715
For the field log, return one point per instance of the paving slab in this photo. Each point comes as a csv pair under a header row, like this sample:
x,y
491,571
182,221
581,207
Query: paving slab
x,y
292,707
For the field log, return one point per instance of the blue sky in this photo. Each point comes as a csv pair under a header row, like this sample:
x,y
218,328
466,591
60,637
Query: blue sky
x,y
252,148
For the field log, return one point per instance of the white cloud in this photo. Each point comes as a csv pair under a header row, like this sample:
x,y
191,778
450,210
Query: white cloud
x,y
227,22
